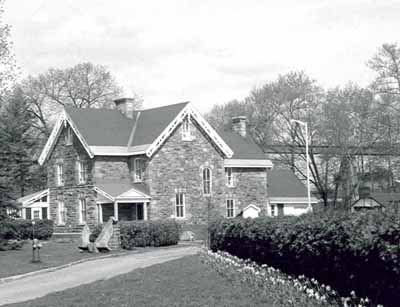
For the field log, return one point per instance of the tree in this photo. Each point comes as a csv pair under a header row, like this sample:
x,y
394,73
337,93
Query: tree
x,y
84,85
17,145
7,60
386,63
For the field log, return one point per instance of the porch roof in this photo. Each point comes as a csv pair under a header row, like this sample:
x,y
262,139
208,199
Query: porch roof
x,y
123,189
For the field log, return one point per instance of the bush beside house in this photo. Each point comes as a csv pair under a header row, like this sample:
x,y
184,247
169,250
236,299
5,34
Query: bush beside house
x,y
11,229
358,252
149,233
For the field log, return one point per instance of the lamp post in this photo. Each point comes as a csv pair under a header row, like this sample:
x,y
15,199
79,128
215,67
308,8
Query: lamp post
x,y
307,160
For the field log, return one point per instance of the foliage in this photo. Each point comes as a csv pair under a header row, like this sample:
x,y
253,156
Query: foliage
x,y
17,145
11,229
281,289
7,59
358,252
149,233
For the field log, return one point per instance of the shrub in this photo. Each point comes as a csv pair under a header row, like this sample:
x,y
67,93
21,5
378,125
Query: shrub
x,y
11,229
149,233
358,252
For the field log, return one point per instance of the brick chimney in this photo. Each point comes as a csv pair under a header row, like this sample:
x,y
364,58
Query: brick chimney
x,y
239,125
126,106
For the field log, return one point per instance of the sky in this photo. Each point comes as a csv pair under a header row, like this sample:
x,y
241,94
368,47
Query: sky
x,y
206,52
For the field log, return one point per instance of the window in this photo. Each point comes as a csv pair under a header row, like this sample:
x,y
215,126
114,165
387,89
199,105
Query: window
x,y
59,174
186,129
138,169
229,176
230,208
180,204
68,136
82,210
36,214
44,213
207,181
273,211
62,214
81,172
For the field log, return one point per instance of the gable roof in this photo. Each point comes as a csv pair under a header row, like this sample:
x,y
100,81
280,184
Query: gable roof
x,y
117,189
284,183
28,199
243,148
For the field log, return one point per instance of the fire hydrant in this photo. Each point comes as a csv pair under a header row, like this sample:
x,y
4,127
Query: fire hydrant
x,y
36,245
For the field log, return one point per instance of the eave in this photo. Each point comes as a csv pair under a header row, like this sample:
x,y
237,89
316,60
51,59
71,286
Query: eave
x,y
248,163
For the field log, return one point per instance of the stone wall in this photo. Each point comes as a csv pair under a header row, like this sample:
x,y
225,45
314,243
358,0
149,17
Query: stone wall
x,y
178,166
111,169
71,190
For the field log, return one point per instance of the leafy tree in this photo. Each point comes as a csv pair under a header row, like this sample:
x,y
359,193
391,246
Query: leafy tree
x,y
7,60
17,145
84,85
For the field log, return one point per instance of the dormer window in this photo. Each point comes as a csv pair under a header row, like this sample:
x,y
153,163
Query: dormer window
x,y
68,136
138,169
186,134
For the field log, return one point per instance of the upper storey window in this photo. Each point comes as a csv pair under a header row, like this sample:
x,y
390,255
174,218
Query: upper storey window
x,y
186,131
59,174
229,176
207,181
138,169
82,172
68,136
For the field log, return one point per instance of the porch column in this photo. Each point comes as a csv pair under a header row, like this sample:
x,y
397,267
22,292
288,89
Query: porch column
x,y
145,206
116,210
100,213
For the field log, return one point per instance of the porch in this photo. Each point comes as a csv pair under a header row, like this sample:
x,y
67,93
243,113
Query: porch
x,y
122,200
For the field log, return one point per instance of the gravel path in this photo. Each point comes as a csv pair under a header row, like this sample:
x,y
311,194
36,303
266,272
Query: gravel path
x,y
42,284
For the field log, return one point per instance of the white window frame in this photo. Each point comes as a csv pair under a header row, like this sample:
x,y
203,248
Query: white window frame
x,y
207,182
139,165
39,211
82,172
273,209
60,174
82,209
230,201
68,136
229,177
61,213
180,202
186,133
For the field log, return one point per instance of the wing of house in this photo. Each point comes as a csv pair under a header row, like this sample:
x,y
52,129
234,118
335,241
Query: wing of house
x,y
287,194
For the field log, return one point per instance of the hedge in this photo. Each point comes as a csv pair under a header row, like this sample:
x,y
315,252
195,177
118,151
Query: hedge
x,y
359,252
11,229
149,233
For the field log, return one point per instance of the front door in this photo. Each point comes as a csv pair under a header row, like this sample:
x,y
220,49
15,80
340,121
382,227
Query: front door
x,y
280,209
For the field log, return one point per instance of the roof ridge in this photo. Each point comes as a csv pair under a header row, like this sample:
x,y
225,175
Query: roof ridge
x,y
133,130
166,106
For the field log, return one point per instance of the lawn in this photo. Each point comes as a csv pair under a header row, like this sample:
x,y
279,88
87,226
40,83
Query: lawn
x,y
52,254
183,282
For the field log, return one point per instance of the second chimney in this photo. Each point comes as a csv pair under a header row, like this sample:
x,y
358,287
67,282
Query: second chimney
x,y
126,106
239,125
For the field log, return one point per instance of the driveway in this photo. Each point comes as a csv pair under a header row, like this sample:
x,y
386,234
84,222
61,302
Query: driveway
x,y
42,284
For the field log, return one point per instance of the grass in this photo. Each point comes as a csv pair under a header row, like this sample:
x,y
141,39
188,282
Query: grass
x,y
183,282
52,254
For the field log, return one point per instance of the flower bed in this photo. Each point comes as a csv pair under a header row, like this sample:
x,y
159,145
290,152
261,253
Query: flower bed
x,y
283,290
359,251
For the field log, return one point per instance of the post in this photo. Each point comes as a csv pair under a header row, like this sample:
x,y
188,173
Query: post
x,y
309,208
116,210
145,205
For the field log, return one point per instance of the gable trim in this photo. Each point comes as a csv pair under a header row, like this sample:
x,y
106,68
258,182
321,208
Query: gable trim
x,y
63,120
105,194
189,110
124,195
32,199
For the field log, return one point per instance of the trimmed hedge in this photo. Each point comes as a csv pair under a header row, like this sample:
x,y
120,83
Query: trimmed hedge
x,y
149,233
11,229
359,251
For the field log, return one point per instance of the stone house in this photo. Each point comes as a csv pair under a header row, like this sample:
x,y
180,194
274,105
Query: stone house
x,y
160,163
